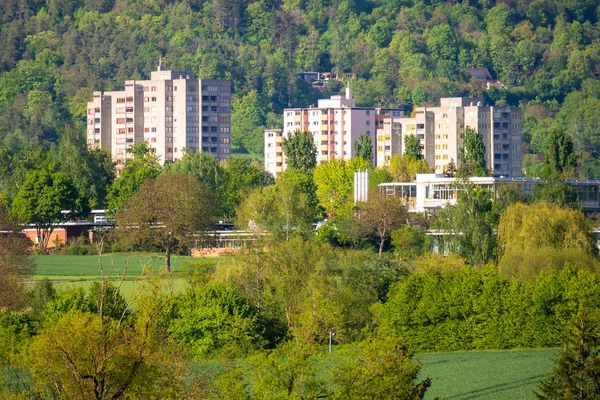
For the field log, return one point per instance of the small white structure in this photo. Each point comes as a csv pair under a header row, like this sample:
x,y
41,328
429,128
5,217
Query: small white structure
x,y
361,186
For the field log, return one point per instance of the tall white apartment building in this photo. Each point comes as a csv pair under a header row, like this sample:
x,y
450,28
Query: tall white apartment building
x,y
335,123
171,111
440,130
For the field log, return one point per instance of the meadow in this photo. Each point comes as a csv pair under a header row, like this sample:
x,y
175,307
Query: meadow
x,y
488,375
66,271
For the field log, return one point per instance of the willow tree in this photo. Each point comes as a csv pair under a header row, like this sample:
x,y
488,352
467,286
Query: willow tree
x,y
169,212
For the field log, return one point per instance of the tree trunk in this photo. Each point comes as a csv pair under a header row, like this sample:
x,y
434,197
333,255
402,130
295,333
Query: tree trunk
x,y
168,259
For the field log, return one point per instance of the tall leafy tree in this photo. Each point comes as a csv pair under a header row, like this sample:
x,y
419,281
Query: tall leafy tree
x,y
542,237
472,155
44,196
363,147
283,209
379,216
335,183
405,169
300,151
473,220
143,166
559,156
15,262
170,212
91,170
240,178
93,355
412,147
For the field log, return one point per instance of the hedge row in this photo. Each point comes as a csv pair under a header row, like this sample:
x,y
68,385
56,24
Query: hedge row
x,y
477,309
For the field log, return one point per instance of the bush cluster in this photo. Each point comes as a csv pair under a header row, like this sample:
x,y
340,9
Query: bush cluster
x,y
477,309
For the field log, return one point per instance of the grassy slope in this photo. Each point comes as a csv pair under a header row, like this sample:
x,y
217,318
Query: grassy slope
x,y
511,374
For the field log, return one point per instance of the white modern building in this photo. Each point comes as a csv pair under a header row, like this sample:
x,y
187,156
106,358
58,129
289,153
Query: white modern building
x,y
434,191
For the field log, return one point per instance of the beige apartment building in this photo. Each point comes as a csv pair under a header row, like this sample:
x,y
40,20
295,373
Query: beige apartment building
x,y
171,111
440,131
335,123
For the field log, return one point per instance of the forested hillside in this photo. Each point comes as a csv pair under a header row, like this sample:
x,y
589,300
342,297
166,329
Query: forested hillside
x,y
54,53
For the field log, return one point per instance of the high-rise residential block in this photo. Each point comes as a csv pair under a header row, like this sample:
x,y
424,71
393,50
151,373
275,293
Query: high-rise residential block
x,y
171,111
440,130
335,123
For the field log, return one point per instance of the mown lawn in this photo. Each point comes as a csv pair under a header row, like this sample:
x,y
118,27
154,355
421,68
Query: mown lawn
x,y
65,271
510,374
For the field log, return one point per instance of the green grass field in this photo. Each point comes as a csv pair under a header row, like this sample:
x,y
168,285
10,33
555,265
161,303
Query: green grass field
x,y
65,271
510,374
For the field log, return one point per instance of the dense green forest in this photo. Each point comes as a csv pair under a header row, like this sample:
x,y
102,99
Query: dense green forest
x,y
53,54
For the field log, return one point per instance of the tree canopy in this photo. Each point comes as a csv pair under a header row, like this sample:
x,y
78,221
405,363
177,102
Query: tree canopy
x,y
412,147
171,211
472,155
44,196
300,151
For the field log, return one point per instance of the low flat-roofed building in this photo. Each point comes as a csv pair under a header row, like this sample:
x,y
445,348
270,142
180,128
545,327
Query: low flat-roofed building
x,y
434,191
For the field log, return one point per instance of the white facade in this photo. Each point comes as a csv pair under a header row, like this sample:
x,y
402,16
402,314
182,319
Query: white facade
x,y
434,191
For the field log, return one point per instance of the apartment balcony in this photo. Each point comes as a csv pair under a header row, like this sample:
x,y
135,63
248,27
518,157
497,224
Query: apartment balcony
x,y
279,139
324,147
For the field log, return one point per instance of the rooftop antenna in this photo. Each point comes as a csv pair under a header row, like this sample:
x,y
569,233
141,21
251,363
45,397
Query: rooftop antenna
x,y
159,63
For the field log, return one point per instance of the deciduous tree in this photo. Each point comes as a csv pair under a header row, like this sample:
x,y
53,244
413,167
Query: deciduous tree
x,y
559,156
412,147
170,212
363,148
472,223
44,196
543,237
472,155
15,262
143,166
95,356
335,183
300,151
379,216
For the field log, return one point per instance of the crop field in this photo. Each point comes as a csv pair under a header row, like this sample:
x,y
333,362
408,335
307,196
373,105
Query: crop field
x,y
65,271
509,374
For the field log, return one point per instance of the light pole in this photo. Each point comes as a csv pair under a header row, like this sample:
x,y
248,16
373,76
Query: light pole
x,y
331,335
